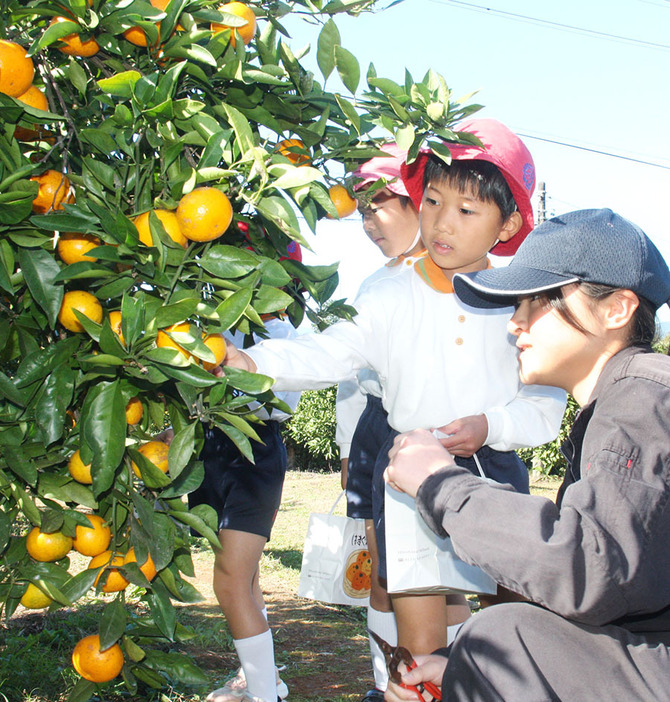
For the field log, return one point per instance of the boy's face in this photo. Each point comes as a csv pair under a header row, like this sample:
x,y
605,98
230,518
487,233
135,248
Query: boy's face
x,y
458,229
389,224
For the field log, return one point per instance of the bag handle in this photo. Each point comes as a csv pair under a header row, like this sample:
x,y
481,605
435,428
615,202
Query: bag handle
x,y
339,497
479,465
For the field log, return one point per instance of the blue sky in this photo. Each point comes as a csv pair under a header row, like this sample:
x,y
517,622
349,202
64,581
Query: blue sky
x,y
606,94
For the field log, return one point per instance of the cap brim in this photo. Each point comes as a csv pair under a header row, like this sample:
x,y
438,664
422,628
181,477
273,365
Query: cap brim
x,y
502,287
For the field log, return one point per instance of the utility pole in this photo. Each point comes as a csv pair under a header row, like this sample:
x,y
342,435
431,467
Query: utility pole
x,y
542,205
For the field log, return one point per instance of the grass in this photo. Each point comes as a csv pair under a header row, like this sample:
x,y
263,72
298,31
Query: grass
x,y
323,647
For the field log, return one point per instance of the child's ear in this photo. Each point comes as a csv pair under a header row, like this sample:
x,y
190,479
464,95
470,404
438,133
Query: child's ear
x,y
511,226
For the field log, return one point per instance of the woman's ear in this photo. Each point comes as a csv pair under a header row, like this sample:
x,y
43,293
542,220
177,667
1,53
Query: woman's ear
x,y
511,226
620,307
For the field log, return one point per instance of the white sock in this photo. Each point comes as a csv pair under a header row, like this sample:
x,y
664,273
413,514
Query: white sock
x,y
257,658
384,625
452,631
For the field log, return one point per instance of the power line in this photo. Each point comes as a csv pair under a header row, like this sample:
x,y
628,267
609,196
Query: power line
x,y
595,151
553,25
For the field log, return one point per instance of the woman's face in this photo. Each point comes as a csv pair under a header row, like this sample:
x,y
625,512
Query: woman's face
x,y
552,351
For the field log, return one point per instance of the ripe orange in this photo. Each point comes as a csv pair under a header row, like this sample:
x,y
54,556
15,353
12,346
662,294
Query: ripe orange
x,y
83,301
157,453
115,323
295,151
74,46
134,411
168,220
164,341
96,665
113,580
16,69
72,247
79,470
47,547
217,345
92,541
136,35
204,214
34,598
344,203
148,568
54,191
35,98
246,31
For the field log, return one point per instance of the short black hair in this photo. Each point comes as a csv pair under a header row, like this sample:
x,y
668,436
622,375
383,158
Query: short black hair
x,y
643,322
481,177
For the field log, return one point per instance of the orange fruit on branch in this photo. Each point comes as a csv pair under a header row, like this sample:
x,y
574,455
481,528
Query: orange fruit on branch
x,y
217,345
80,471
73,247
53,192
34,598
93,540
295,151
16,69
168,220
136,35
96,665
84,302
157,453
204,214
134,411
148,568
164,341
344,203
33,97
239,9
47,547
73,44
115,324
112,579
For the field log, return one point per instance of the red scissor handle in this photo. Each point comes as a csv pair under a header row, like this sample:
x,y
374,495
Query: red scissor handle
x,y
402,655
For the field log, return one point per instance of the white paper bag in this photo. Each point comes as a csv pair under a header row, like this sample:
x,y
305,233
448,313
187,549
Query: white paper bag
x,y
336,564
419,561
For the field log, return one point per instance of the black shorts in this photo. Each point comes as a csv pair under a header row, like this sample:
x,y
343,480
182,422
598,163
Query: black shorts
x,y
246,496
501,466
372,432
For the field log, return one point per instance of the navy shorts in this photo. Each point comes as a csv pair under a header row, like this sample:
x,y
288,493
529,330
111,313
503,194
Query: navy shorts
x,y
246,496
501,466
372,432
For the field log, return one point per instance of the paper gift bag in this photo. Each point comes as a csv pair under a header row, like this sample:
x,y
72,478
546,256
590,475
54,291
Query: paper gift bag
x,y
419,561
336,564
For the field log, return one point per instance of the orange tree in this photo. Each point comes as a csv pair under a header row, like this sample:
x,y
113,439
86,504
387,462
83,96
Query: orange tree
x,y
149,200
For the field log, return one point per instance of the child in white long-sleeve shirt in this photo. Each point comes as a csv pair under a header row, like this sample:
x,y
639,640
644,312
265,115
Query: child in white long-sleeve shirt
x,y
409,325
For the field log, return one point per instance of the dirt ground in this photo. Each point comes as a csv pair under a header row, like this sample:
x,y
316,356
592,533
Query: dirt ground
x,y
322,648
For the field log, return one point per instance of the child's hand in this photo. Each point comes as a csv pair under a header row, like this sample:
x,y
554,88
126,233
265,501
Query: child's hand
x,y
238,359
465,435
413,457
428,669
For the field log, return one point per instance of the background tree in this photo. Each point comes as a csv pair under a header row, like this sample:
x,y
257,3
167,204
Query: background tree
x,y
154,160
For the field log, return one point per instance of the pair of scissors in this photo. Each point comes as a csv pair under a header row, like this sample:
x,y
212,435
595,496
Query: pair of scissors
x,y
399,654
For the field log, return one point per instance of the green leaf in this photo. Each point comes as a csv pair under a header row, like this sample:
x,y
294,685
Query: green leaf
x,y
181,449
39,270
103,428
79,584
10,392
231,310
163,611
229,261
349,112
195,522
329,38
348,68
250,383
82,691
54,400
189,480
240,124
293,176
121,84
112,624
177,667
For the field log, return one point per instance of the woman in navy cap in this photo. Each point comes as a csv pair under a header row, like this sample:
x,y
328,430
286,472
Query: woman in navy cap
x,y
595,566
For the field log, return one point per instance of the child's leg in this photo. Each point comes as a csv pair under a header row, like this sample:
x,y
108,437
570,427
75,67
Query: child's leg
x,y
381,618
238,592
458,611
422,622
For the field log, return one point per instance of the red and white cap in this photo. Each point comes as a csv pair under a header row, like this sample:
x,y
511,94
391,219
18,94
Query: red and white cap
x,y
502,148
386,167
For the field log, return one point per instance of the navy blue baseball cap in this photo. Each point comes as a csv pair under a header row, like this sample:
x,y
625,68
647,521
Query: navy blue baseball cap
x,y
593,246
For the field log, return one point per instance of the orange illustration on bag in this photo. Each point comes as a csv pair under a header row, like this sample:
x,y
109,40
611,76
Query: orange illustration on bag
x,y
357,574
